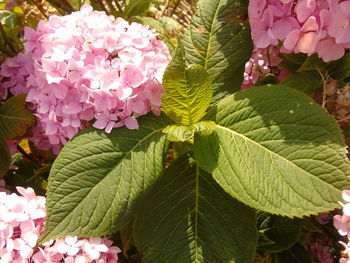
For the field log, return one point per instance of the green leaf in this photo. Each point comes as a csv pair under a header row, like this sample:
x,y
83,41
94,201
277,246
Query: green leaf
x,y
170,24
5,158
276,150
139,7
342,69
305,81
180,133
98,178
187,90
188,218
68,5
298,58
15,119
296,254
219,39
313,62
282,231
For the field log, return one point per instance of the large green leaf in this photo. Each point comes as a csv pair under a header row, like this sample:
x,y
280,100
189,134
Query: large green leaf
x,y
219,40
189,218
98,178
187,90
276,150
15,118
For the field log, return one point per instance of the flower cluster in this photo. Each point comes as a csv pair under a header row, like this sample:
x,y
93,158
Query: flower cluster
x,y
302,26
342,223
260,63
84,67
22,219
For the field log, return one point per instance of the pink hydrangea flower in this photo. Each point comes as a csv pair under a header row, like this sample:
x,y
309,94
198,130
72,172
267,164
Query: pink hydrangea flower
x,y
22,219
87,67
302,26
342,224
260,63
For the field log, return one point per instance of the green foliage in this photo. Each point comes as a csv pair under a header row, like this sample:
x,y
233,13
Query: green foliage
x,y
15,118
67,5
219,40
5,158
342,69
305,81
180,133
277,233
296,254
187,90
276,150
188,218
269,148
139,7
313,62
10,27
99,178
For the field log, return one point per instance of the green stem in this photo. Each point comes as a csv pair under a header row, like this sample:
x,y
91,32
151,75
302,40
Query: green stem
x,y
26,155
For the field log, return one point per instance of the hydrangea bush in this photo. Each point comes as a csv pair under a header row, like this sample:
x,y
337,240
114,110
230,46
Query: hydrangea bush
x,y
218,133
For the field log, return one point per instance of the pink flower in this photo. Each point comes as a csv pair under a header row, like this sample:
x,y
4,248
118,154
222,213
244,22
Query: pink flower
x,y
69,246
328,50
94,246
83,66
263,34
305,9
339,27
304,40
20,230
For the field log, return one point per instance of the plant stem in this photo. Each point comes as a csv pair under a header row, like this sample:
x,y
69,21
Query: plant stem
x,y
40,8
165,8
111,7
120,9
100,4
26,155
175,7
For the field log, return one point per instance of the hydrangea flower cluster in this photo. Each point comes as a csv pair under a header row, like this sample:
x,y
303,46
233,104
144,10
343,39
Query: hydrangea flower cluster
x,y
260,63
83,67
342,223
302,26
22,219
